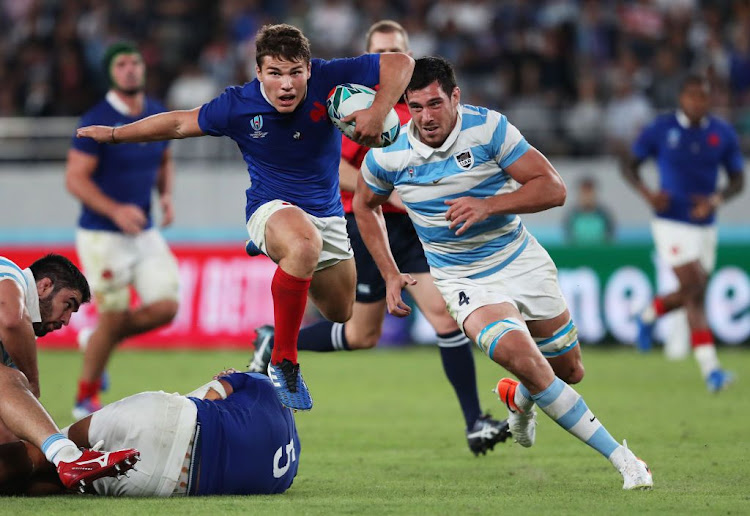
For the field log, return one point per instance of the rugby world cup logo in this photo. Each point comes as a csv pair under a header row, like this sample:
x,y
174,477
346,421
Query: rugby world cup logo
x,y
257,122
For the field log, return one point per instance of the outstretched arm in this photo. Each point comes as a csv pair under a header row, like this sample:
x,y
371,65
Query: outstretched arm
x,y
371,224
172,125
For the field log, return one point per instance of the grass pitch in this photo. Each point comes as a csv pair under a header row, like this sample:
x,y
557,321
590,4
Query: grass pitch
x,y
386,437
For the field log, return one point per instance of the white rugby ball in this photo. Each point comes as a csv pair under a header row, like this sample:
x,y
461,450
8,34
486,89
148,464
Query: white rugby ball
x,y
347,98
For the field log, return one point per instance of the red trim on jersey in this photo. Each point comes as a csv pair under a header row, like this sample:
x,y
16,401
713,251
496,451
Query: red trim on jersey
x,y
355,153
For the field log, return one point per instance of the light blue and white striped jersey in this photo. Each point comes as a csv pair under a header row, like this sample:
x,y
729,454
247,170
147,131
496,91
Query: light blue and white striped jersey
x,y
470,162
25,279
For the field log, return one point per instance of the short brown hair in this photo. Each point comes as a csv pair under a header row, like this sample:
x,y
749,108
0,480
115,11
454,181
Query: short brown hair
x,y
386,27
281,41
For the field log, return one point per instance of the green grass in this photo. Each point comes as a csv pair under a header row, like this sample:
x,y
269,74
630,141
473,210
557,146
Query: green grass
x,y
386,437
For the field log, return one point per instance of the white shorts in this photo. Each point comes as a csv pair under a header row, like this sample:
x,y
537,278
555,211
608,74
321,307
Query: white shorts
x,y
679,243
529,283
113,261
336,245
160,426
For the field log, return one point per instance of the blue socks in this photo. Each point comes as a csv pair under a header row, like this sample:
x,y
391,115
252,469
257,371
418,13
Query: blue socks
x,y
458,363
323,336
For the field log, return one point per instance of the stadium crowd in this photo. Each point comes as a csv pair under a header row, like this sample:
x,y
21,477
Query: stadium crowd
x,y
578,77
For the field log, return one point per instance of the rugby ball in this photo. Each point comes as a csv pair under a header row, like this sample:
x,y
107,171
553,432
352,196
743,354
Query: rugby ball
x,y
347,98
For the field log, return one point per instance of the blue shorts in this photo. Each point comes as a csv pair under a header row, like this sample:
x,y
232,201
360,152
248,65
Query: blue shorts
x,y
405,246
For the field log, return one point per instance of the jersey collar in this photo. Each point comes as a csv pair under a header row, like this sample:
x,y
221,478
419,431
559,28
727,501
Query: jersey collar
x,y
32,296
425,150
118,105
684,121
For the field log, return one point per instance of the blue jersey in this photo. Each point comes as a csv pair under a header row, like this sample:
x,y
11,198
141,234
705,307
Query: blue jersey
x,y
125,172
292,157
688,159
248,442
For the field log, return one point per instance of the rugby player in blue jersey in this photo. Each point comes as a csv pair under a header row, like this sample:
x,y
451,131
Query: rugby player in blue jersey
x,y
115,240
292,152
229,436
689,145
463,173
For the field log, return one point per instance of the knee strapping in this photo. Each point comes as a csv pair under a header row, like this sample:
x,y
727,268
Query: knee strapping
x,y
493,332
562,341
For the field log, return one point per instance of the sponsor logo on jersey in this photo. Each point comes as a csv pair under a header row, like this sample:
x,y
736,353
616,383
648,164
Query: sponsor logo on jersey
x,y
465,159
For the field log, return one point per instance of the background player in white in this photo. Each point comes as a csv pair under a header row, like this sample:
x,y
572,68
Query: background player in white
x,y
115,240
229,436
364,328
689,145
463,173
280,124
34,302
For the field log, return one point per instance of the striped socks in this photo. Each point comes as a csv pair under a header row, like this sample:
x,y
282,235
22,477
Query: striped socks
x,y
563,404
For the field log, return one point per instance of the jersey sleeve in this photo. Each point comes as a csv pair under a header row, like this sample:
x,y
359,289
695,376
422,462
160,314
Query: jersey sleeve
x,y
375,176
646,144
732,158
213,117
11,271
86,145
363,70
507,143
236,380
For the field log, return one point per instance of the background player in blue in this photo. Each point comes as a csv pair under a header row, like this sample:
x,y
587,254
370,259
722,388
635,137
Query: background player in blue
x,y
116,241
292,151
464,172
229,436
688,145
33,302
363,330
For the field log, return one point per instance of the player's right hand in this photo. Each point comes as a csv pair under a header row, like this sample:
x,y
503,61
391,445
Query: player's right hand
x,y
100,133
393,287
659,201
129,218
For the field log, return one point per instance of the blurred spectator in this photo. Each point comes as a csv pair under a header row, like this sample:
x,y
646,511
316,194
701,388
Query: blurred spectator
x,y
583,120
192,88
588,222
626,113
50,50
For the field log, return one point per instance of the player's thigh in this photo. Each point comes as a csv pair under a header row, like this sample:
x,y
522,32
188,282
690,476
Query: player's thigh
x,y
108,260
431,303
156,276
291,232
678,243
332,290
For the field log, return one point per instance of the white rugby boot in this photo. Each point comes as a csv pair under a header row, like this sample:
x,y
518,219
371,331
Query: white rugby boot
x,y
634,471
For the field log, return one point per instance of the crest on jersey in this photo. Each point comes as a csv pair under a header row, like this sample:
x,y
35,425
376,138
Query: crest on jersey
x,y
257,122
465,159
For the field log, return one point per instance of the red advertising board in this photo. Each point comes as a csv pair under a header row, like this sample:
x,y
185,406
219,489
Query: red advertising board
x,y
224,296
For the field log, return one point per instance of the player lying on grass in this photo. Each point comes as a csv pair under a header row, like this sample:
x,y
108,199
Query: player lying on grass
x,y
230,436
463,173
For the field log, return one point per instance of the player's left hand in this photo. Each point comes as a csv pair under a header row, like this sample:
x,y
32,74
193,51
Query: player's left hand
x,y
368,125
467,211
704,206
100,133
225,372
167,209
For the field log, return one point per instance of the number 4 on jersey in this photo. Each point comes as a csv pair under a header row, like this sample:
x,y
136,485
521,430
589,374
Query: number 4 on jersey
x,y
463,299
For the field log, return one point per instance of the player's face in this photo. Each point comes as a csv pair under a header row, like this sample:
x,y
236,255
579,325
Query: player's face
x,y
284,82
387,42
694,101
433,112
128,73
56,308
